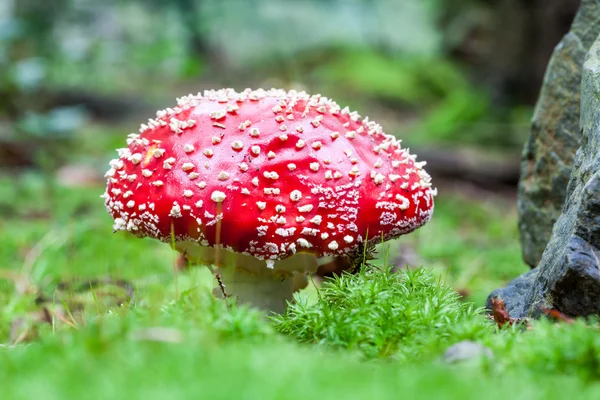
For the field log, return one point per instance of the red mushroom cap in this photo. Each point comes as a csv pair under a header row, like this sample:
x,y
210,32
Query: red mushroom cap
x,y
278,172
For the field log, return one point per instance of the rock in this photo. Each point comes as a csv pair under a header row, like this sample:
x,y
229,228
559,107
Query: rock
x,y
549,153
466,351
517,295
568,275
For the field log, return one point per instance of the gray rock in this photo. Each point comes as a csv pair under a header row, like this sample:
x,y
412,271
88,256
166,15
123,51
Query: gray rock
x,y
549,153
466,351
568,275
518,295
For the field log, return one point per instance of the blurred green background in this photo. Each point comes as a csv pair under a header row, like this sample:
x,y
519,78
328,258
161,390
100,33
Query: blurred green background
x,y
456,80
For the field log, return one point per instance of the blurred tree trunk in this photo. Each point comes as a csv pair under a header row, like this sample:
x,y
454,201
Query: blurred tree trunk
x,y
189,11
35,20
507,42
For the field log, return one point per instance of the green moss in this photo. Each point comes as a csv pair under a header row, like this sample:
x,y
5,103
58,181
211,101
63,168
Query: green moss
x,y
382,313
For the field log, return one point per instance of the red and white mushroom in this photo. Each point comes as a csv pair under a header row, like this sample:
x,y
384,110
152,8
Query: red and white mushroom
x,y
261,183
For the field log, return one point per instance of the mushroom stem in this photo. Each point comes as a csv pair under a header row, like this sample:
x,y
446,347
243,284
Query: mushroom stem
x,y
249,280
266,289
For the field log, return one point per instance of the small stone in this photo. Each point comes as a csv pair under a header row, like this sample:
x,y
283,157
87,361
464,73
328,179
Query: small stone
x,y
466,351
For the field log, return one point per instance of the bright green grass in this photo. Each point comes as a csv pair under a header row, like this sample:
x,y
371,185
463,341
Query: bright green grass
x,y
178,342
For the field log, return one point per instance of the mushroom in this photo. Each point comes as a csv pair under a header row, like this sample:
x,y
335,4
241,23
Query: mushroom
x,y
259,184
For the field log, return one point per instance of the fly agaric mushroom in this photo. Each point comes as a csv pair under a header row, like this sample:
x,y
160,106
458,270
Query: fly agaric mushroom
x,y
259,184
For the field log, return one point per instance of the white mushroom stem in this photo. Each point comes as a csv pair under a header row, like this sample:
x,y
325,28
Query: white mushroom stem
x,y
265,289
249,280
